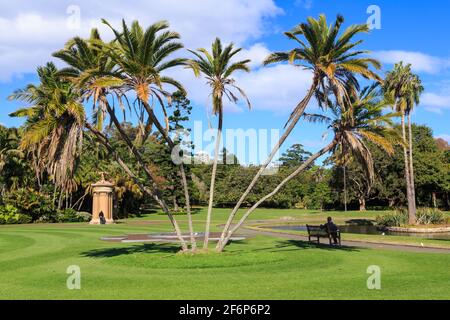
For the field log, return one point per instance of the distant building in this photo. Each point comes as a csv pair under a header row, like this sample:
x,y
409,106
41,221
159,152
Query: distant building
x,y
202,157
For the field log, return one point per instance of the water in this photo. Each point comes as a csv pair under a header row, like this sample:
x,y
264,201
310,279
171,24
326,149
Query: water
x,y
371,229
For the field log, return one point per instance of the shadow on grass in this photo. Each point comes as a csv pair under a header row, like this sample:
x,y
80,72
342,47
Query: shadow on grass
x,y
144,248
306,245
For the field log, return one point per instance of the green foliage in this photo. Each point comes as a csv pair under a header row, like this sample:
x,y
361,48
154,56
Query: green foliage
x,y
393,219
30,202
398,218
71,215
430,216
10,215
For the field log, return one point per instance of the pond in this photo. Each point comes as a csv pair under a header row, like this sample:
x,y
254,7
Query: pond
x,y
370,229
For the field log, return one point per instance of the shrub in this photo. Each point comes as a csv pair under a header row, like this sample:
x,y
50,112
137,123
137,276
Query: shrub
x,y
424,216
10,215
430,216
71,215
393,219
31,203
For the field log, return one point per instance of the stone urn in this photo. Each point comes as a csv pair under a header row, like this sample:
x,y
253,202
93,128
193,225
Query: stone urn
x,y
102,202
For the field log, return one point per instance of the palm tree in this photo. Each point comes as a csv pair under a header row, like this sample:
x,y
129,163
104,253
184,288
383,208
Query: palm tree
x,y
53,131
142,57
404,89
353,126
327,54
217,67
95,75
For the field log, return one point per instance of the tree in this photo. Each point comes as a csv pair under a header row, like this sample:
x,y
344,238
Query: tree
x,y
217,67
404,89
142,56
53,131
353,124
329,57
294,156
98,75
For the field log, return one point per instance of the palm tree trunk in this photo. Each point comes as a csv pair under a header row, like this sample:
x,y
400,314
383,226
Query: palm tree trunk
x,y
411,165
300,108
411,211
160,128
221,245
345,189
128,141
213,179
154,193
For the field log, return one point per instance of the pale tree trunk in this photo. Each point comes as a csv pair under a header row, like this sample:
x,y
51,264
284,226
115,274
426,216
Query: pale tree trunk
x,y
154,193
362,204
160,128
411,164
213,179
299,110
411,211
221,245
176,208
433,198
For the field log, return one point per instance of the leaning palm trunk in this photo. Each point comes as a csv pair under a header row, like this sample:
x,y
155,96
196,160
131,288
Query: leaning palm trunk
x,y
166,137
411,164
154,193
298,112
301,168
411,209
213,180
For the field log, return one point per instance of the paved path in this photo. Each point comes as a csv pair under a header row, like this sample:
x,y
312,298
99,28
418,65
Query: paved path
x,y
359,244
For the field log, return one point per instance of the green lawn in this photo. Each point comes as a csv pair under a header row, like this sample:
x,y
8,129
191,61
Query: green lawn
x,y
34,259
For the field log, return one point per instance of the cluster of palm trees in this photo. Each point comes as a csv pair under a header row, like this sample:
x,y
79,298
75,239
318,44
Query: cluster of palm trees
x,y
106,74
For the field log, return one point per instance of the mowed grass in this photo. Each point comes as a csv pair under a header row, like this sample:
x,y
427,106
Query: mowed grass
x,y
34,260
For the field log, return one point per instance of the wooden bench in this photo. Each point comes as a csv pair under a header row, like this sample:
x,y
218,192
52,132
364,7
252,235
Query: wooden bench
x,y
322,232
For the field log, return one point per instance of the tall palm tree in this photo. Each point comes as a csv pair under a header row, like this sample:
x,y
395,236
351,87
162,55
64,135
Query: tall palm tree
x,y
327,54
53,131
353,126
96,76
218,67
142,56
404,89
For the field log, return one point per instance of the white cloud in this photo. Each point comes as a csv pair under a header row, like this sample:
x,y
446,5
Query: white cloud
x,y
276,88
32,30
256,53
420,62
435,102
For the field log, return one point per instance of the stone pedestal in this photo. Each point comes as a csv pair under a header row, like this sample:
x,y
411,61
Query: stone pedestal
x,y
103,193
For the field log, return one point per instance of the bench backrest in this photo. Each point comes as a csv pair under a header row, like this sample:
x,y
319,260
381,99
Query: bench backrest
x,y
316,230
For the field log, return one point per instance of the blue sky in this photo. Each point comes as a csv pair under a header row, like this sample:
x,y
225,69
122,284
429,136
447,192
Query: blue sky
x,y
410,30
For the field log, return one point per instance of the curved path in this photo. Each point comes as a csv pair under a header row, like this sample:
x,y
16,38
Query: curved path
x,y
346,243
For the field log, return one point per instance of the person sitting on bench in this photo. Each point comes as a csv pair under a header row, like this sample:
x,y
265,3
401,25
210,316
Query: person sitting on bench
x,y
332,229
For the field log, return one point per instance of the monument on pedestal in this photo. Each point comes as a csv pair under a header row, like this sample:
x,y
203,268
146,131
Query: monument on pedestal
x,y
102,201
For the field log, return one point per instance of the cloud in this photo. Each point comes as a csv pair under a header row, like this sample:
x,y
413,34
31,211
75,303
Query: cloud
x,y
276,88
36,29
435,102
420,62
256,53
